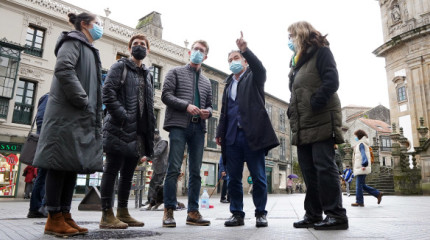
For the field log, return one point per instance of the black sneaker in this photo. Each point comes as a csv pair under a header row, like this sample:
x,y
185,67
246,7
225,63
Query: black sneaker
x,y
307,222
261,220
234,221
331,223
35,214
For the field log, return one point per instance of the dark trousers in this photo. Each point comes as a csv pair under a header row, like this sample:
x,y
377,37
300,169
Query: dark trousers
x,y
321,176
237,154
38,194
60,186
126,166
224,192
156,180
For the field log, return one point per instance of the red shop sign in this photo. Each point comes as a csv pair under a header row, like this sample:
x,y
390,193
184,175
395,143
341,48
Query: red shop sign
x,y
12,159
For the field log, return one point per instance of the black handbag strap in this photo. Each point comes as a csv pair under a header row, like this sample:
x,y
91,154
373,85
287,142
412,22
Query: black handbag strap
x,y
32,126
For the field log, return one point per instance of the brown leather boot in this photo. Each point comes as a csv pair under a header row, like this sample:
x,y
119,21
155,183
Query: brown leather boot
x,y
168,220
195,218
109,221
123,215
55,225
69,220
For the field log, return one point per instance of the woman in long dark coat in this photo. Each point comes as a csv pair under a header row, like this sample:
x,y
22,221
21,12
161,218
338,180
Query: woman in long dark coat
x,y
71,138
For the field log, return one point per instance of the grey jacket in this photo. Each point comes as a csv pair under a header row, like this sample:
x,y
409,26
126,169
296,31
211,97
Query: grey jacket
x,y
178,93
159,159
71,137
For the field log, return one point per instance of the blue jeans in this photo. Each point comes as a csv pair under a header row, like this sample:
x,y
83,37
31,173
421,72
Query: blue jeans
x,y
361,185
237,154
38,194
194,137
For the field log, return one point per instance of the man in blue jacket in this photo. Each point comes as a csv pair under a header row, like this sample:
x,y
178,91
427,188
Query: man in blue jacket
x,y
37,200
245,132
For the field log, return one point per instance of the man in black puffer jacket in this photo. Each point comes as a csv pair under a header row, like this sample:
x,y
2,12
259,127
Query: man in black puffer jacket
x,y
128,131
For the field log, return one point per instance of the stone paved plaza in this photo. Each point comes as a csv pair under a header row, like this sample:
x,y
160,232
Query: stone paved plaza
x,y
398,217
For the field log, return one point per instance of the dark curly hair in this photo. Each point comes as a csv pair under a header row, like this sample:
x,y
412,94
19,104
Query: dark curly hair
x,y
360,134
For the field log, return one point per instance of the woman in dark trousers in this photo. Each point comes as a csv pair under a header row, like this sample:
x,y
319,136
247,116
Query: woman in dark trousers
x,y
316,120
128,130
71,141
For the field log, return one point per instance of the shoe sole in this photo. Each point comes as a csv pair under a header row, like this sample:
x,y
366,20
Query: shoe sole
x,y
173,225
111,227
337,227
304,226
198,224
136,224
61,234
261,225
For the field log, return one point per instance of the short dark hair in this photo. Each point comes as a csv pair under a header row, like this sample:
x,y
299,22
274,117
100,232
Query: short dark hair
x,y
141,37
360,134
77,19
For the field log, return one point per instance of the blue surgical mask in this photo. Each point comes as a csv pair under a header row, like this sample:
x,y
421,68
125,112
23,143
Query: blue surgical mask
x,y
291,45
236,66
356,139
96,32
196,57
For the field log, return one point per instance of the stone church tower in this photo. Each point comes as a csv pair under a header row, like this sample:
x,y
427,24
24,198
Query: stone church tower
x,y
406,49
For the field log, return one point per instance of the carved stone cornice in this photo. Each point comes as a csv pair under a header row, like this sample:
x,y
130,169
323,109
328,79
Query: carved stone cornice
x,y
33,72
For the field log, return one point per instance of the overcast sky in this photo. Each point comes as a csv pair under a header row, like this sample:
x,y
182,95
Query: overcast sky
x,y
353,26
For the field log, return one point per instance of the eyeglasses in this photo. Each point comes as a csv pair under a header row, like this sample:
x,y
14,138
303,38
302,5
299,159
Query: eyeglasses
x,y
199,49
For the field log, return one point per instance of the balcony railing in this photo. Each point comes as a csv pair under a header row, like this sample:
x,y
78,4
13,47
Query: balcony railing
x,y
33,51
22,113
4,107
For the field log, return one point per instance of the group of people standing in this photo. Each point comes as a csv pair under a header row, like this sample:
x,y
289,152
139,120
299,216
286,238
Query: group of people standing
x,y
74,136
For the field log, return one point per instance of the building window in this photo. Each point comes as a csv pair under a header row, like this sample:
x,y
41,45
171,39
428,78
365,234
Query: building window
x,y
401,94
9,59
212,125
269,111
24,100
282,120
120,55
385,143
214,85
156,74
282,149
34,41
157,116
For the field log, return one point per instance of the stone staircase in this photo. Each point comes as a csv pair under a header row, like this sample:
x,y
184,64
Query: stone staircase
x,y
383,181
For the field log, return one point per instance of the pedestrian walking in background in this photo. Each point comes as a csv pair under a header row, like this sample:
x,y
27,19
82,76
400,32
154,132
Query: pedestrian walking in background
x,y
70,141
225,197
290,186
347,177
316,119
30,174
38,201
249,180
187,94
128,129
362,166
159,167
245,132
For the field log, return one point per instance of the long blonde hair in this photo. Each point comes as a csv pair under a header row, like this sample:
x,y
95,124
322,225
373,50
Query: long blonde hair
x,y
305,36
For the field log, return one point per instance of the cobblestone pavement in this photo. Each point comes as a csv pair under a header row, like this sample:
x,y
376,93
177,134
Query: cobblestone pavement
x,y
397,217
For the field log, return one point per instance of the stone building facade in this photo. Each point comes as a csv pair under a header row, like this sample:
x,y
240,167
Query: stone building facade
x,y
29,31
406,49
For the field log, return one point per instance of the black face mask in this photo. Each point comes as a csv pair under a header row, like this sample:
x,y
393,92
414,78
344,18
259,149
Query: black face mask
x,y
138,52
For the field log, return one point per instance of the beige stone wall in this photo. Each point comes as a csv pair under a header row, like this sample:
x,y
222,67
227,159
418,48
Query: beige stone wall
x,y
17,15
406,49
